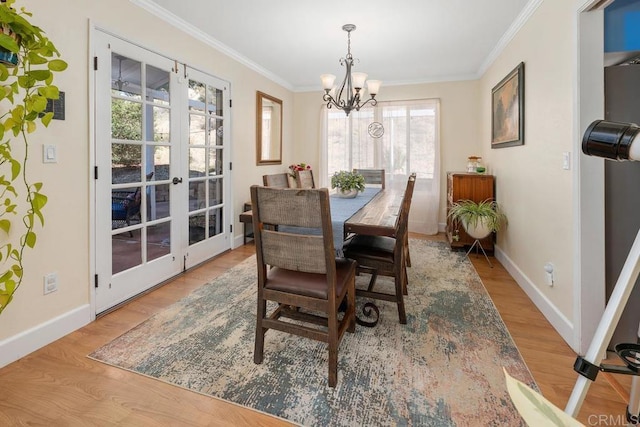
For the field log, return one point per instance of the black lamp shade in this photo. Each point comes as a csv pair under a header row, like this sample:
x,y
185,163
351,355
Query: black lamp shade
x,y
611,140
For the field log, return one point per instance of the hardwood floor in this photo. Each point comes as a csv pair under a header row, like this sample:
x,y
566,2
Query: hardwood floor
x,y
59,385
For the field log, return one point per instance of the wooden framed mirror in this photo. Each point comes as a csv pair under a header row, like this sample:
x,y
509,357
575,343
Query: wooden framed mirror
x,y
268,129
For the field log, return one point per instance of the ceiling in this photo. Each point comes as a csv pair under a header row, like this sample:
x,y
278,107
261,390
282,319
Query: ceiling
x,y
399,42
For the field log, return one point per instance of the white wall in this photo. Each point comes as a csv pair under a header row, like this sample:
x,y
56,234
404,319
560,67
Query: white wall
x,y
64,243
536,192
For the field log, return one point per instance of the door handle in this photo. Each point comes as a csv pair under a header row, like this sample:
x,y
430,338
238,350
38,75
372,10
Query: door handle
x,y
176,180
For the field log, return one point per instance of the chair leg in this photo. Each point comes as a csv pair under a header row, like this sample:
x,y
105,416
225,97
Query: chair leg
x,y
405,281
399,282
406,251
351,298
258,352
333,348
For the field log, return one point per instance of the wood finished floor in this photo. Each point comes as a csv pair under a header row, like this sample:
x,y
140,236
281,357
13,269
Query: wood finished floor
x,y
59,386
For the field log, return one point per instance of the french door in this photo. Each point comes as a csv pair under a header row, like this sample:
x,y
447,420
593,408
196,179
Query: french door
x,y
162,169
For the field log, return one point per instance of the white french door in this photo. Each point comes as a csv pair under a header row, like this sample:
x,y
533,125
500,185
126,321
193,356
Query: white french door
x,y
162,169
207,161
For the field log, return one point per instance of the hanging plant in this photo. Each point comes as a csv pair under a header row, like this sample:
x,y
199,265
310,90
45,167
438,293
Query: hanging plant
x,y
28,60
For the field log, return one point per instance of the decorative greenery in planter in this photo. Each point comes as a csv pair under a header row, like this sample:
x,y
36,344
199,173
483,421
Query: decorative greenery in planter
x,y
472,215
24,92
346,181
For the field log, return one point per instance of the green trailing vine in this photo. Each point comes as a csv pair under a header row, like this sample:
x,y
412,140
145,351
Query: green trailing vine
x,y
25,90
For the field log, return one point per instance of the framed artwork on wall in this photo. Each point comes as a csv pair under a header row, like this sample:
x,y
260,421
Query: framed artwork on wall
x,y
507,110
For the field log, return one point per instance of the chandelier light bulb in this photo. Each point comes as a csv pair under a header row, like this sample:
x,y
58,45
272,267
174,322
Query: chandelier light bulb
x,y
373,86
327,81
358,80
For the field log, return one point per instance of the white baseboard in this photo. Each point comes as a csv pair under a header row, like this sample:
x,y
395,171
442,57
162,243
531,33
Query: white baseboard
x,y
17,346
558,320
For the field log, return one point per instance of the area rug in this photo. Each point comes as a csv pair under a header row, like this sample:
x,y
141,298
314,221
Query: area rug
x,y
443,368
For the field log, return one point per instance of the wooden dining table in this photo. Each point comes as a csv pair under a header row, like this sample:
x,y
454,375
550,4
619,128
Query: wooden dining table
x,y
378,217
374,212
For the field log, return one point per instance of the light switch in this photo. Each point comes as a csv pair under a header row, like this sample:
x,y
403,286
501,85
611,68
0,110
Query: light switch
x,y
566,160
49,154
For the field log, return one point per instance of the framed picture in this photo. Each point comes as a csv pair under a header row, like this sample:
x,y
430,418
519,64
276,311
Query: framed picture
x,y
507,110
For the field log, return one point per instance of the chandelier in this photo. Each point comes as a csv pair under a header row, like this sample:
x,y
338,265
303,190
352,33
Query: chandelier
x,y
349,96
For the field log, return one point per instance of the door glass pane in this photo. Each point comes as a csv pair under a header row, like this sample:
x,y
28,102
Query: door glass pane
x,y
196,96
197,161
126,120
158,240
215,97
215,222
215,161
126,161
157,85
196,129
159,206
125,207
216,131
126,251
126,77
161,160
197,228
197,195
215,191
161,125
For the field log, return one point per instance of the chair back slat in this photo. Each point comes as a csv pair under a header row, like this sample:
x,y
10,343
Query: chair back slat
x,y
288,207
372,176
304,179
403,217
277,180
294,251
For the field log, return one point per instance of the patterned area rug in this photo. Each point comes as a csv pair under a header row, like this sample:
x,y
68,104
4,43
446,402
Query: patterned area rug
x,y
444,368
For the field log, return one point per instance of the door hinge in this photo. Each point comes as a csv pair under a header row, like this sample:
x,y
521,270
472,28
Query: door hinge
x,y
184,263
95,63
231,228
230,166
230,103
95,280
95,172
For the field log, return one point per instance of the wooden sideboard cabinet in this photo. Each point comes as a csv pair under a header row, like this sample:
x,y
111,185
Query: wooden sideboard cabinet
x,y
471,186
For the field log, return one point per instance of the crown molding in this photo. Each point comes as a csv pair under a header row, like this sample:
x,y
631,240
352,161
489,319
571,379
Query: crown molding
x,y
522,19
198,34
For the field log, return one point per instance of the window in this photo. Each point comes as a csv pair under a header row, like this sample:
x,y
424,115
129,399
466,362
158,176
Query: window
x,y
410,143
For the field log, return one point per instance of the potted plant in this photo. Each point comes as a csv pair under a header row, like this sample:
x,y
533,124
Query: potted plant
x,y
347,183
479,219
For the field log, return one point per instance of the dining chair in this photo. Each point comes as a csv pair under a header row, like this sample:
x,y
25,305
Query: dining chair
x,y
385,256
304,178
300,272
277,180
372,176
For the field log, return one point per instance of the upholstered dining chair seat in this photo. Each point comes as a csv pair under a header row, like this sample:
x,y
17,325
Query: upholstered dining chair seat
x,y
314,285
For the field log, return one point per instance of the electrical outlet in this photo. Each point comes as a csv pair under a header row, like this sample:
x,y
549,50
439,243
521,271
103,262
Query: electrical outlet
x,y
50,283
